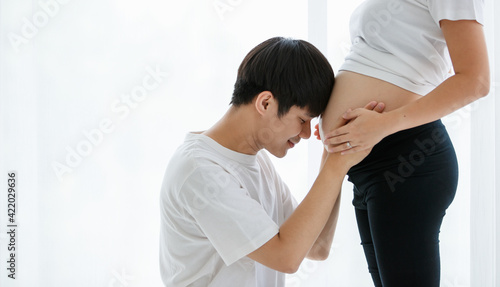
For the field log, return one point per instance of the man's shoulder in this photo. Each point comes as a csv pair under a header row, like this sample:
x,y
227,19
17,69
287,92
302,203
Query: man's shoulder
x,y
191,155
195,160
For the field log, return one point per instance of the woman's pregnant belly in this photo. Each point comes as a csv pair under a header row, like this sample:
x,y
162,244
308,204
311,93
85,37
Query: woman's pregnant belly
x,y
353,90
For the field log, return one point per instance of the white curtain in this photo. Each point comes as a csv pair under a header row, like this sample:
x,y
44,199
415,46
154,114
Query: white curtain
x,y
96,95
485,168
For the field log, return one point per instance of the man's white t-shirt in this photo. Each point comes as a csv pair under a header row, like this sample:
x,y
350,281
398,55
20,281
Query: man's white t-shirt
x,y
217,206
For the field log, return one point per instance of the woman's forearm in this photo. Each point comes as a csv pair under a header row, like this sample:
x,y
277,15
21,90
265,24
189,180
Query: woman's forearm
x,y
454,93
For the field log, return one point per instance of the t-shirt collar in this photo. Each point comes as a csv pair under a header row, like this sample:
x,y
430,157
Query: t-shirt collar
x,y
231,154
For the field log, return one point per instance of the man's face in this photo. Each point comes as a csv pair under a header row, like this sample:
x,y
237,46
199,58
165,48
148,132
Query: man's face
x,y
284,133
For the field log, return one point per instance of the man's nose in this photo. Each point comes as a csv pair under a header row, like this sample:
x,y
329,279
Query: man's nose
x,y
305,133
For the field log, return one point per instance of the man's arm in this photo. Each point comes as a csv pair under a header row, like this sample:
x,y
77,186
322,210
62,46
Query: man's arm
x,y
285,251
322,246
310,228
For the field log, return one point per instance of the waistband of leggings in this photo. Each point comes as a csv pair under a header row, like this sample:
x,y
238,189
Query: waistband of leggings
x,y
403,142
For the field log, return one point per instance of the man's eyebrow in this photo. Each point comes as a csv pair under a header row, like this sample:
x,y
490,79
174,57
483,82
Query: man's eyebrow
x,y
312,116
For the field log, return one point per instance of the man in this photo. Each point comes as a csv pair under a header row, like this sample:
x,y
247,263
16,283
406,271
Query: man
x,y
227,219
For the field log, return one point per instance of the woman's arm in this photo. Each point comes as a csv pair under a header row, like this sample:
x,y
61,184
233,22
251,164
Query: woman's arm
x,y
467,46
286,250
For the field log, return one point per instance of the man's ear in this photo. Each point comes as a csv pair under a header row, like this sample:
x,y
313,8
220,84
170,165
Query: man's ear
x,y
263,101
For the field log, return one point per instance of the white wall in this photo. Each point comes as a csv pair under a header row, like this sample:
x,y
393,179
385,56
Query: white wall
x,y
96,95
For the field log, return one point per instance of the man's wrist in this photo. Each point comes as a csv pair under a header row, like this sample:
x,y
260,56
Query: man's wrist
x,y
336,162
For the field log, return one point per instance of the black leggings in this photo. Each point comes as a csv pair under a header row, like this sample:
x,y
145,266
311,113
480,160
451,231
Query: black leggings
x,y
401,192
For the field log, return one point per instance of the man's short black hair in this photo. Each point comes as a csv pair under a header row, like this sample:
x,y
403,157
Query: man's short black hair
x,y
294,71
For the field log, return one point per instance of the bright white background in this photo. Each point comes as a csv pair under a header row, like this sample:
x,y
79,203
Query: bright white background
x,y
96,95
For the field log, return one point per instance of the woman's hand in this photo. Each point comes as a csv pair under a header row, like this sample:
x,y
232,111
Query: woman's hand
x,y
365,128
316,131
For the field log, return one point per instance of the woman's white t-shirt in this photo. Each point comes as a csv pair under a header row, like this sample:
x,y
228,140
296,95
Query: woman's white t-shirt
x,y
217,206
401,42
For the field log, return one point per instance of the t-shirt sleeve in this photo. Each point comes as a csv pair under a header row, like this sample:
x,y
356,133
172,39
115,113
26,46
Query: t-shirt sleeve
x,y
235,223
289,202
457,10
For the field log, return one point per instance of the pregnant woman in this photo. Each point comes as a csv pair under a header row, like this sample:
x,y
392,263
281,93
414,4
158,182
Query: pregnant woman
x,y
424,59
